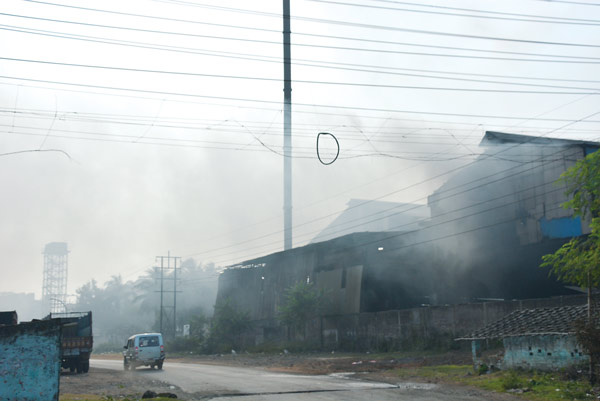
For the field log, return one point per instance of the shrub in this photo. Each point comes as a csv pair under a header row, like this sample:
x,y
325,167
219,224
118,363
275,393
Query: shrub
x,y
512,380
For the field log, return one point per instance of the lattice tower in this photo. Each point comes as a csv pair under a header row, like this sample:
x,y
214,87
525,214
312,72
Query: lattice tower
x,y
54,290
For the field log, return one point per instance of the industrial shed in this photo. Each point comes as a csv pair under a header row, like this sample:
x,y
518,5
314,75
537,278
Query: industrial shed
x,y
488,227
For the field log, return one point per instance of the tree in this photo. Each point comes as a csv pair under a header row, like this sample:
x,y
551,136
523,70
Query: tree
x,y
577,261
303,301
227,325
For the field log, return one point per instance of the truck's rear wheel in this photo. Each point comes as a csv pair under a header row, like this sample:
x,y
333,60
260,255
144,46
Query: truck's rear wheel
x,y
86,366
79,367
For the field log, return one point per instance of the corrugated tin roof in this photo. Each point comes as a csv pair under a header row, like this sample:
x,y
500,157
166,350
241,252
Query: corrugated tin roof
x,y
494,137
558,320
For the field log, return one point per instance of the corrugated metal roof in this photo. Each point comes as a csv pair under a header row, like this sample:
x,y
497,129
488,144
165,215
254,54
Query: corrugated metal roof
x,y
558,320
494,137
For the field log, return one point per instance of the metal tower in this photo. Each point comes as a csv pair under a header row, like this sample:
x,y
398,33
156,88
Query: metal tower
x,y
54,290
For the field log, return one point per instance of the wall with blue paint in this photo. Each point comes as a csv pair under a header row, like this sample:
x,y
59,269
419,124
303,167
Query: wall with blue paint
x,y
30,361
543,352
565,227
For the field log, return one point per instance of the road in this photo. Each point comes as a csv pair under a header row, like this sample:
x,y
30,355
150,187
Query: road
x,y
236,383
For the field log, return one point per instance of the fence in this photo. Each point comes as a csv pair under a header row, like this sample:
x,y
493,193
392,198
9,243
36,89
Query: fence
x,y
396,329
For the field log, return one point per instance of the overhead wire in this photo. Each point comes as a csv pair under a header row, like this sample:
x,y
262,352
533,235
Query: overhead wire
x,y
574,21
388,86
378,27
561,57
320,36
329,215
348,130
481,11
197,95
489,17
504,149
302,152
580,3
298,62
394,235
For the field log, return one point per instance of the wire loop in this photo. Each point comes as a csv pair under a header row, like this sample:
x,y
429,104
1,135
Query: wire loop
x,y
336,142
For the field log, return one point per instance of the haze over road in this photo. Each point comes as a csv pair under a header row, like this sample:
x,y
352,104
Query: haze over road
x,y
229,383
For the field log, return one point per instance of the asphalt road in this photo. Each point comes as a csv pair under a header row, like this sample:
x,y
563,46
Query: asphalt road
x,y
235,383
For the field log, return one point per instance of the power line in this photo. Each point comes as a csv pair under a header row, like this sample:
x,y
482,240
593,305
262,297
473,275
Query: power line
x,y
432,226
309,127
332,65
486,11
578,59
306,152
550,21
183,73
378,27
195,95
389,194
395,43
571,2
18,152
155,17
398,131
504,149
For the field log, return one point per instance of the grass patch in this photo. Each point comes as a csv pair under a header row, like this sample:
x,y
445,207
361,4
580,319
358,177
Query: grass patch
x,y
536,386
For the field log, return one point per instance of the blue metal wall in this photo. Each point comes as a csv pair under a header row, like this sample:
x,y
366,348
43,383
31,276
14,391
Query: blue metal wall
x,y
565,227
30,361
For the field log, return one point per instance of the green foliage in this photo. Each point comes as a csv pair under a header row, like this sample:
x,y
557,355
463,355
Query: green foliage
x,y
228,324
576,262
588,335
535,385
302,302
184,345
582,183
512,380
482,369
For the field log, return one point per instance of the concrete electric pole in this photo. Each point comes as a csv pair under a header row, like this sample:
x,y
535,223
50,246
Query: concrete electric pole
x,y
287,129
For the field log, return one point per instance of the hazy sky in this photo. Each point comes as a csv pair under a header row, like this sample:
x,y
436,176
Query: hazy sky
x,y
161,120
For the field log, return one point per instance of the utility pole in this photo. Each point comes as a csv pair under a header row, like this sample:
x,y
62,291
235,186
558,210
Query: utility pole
x,y
175,299
161,294
162,290
287,129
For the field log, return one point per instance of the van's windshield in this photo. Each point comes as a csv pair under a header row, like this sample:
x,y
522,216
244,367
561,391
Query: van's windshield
x,y
149,341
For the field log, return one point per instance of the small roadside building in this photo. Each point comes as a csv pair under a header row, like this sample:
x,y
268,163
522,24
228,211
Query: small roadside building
x,y
542,338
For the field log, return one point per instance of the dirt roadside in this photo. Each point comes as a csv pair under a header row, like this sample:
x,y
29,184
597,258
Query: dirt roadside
x,y
376,365
372,367
111,383
365,366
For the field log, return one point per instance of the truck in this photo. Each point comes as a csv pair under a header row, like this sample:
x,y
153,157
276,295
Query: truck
x,y
76,340
8,318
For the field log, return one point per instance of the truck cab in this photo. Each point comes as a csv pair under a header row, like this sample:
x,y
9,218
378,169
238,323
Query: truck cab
x,y
77,341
